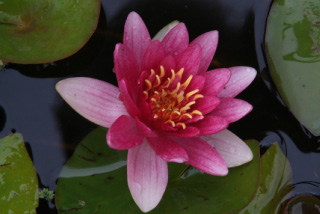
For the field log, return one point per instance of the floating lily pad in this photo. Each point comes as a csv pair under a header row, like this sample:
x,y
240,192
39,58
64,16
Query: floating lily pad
x,y
293,55
37,31
94,180
18,178
275,183
303,204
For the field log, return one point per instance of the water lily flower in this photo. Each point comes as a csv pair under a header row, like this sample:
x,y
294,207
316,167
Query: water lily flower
x,y
167,108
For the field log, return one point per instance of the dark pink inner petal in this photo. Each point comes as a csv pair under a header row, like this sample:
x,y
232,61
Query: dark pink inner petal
x,y
203,156
136,36
215,81
190,131
124,134
206,104
153,56
127,99
168,150
176,40
208,42
211,125
232,109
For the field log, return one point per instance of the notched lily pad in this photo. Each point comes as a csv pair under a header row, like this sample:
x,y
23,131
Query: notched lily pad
x,y
303,204
38,31
293,55
94,180
18,178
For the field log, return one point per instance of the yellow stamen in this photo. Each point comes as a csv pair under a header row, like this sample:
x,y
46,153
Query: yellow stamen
x,y
182,125
189,94
187,82
152,73
158,81
148,83
187,115
197,96
173,75
196,112
180,72
162,72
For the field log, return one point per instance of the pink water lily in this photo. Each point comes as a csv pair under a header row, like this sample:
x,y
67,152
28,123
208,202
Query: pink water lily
x,y
167,108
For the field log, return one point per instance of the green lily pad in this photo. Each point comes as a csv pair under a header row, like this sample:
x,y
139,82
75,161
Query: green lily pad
x,y
303,204
275,183
293,55
18,178
38,31
94,180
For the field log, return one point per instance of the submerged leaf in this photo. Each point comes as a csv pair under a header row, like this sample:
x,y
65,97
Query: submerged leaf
x,y
293,55
94,180
18,178
37,31
275,183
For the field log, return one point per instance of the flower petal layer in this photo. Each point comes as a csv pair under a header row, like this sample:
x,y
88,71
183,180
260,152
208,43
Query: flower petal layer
x,y
167,149
124,134
211,125
136,36
232,109
93,99
147,176
215,81
176,40
240,79
203,156
189,59
153,56
233,150
208,42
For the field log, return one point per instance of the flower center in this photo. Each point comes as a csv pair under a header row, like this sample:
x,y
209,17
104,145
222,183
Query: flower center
x,y
171,102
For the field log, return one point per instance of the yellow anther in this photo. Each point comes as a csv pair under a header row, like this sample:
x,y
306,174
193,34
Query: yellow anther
x,y
180,96
155,116
180,72
168,82
196,112
182,125
162,72
173,75
148,84
156,92
176,89
171,123
152,73
189,94
197,96
187,82
175,112
190,103
186,115
146,94
153,100
158,81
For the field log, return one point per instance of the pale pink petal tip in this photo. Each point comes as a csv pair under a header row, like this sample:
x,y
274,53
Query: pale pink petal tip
x,y
233,150
240,79
147,176
163,32
94,99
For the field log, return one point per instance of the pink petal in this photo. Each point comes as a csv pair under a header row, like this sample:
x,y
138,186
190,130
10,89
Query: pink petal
x,y
153,56
94,99
126,67
147,176
203,156
208,42
215,81
211,125
240,79
176,40
197,82
206,104
189,59
145,130
232,109
163,32
233,150
136,36
127,100
124,134
168,150
168,63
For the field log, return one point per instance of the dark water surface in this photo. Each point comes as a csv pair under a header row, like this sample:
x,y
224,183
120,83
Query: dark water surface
x,y
30,105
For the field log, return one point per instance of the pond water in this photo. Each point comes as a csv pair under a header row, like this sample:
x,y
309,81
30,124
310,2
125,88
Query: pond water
x,y
30,105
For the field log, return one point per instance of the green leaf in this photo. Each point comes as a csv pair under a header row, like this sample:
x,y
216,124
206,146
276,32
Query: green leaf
x,y
94,180
303,204
293,55
275,183
18,178
37,31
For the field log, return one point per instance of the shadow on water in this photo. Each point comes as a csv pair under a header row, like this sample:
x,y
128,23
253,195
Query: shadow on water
x,y
30,104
